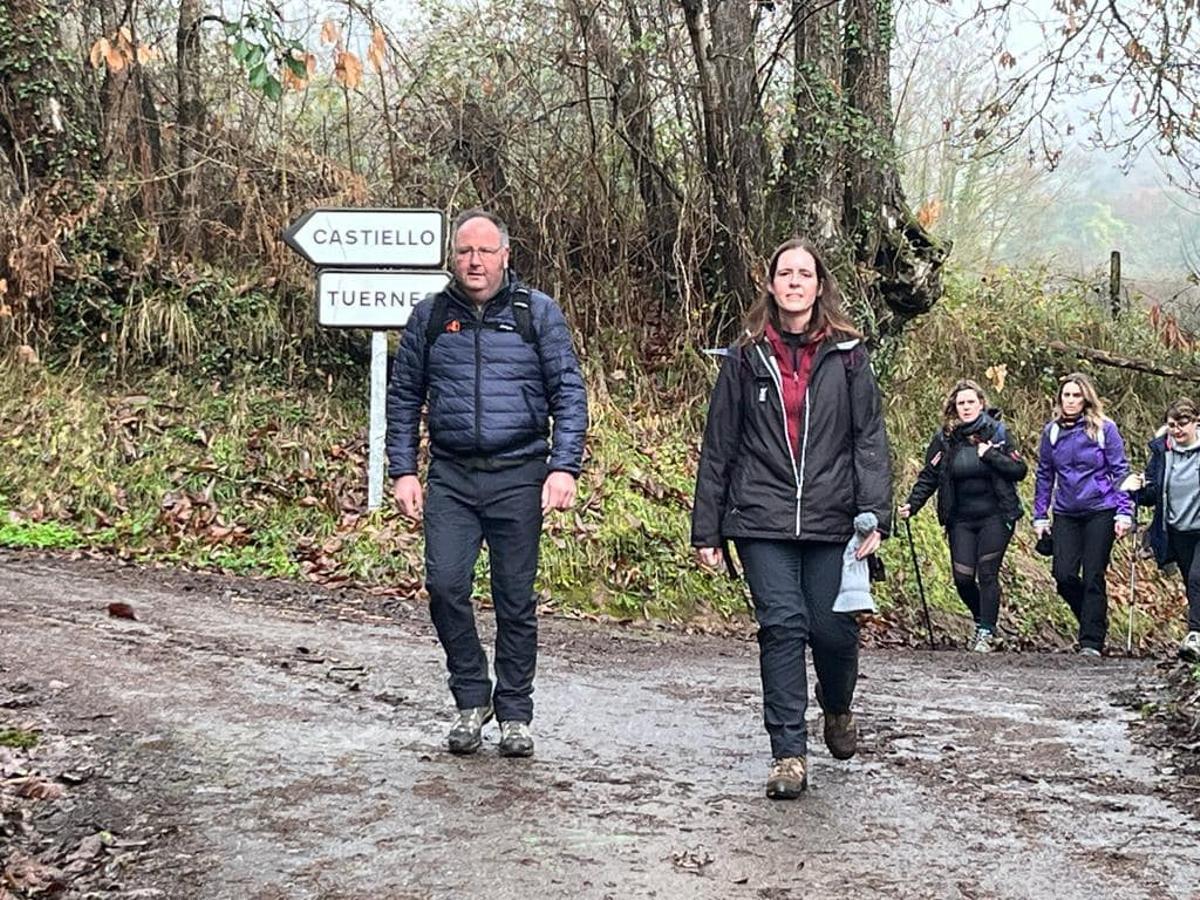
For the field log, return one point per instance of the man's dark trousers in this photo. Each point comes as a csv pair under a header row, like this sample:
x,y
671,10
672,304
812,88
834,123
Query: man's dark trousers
x,y
503,506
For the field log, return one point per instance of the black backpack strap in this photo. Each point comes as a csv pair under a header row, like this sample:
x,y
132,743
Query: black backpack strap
x,y
435,326
522,307
523,315
852,356
437,319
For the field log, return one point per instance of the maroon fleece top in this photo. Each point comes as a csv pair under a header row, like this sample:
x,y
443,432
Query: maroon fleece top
x,y
795,365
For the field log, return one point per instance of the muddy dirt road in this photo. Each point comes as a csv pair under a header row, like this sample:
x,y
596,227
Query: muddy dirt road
x,y
243,740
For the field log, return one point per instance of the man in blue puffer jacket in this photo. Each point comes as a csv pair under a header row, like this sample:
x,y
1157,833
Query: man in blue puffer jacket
x,y
493,361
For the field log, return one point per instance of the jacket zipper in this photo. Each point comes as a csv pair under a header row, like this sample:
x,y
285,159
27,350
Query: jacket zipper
x,y
777,379
803,459
480,318
1166,510
478,389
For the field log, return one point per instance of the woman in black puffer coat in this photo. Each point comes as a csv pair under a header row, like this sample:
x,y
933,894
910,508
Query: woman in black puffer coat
x,y
974,468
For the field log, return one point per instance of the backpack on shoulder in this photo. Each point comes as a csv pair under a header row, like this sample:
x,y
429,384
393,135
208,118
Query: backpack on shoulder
x,y
439,321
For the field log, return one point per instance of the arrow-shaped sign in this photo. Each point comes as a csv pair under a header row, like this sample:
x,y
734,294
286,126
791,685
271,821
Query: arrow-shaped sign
x,y
379,299
368,237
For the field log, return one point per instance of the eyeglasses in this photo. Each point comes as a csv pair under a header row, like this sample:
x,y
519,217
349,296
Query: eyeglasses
x,y
1178,424
484,252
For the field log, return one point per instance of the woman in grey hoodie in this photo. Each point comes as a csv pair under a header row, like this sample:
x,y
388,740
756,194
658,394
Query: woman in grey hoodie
x,y
1172,487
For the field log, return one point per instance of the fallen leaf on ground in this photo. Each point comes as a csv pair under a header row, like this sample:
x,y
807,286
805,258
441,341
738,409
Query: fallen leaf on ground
x,y
36,788
121,611
25,874
691,860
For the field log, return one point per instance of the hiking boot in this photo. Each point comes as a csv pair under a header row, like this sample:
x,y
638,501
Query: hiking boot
x,y
1189,650
515,739
841,734
1090,651
983,641
788,778
465,736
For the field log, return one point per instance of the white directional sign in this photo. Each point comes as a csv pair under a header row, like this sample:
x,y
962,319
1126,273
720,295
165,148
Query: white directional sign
x,y
368,237
362,282
360,298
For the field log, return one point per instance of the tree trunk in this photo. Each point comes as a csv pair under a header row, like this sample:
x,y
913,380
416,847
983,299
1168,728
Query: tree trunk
x,y
721,33
44,135
734,23
112,90
813,195
190,123
478,144
656,186
899,262
128,119
149,155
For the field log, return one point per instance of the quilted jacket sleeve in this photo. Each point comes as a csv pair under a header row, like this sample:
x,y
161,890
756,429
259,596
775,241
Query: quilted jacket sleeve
x,y
406,394
1152,489
564,388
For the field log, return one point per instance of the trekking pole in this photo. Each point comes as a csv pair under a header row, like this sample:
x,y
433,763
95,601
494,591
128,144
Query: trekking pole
x,y
912,549
1126,485
1132,580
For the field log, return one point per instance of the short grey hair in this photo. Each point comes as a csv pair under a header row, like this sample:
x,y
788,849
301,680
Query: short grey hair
x,y
478,213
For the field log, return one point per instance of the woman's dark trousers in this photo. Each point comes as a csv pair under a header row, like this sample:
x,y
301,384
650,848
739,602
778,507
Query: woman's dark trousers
x,y
1084,543
794,585
1184,545
977,549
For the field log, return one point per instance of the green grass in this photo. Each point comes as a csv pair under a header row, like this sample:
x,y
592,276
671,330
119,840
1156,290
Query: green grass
x,y
18,738
38,535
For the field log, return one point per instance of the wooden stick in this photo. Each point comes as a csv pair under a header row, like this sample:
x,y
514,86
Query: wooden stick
x,y
1124,362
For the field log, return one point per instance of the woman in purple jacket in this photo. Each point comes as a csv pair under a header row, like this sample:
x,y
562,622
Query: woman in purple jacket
x,y
1081,464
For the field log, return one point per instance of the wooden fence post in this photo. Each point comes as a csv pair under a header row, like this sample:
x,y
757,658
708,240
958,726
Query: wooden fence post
x,y
1114,283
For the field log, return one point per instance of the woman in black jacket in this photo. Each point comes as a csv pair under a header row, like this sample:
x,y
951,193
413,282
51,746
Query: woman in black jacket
x,y
793,451
974,468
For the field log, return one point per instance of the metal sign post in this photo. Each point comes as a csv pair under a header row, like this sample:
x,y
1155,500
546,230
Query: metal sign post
x,y
376,265
377,429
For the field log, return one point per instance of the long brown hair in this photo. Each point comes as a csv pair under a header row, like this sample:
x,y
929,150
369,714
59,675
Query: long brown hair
x,y
1093,407
827,316
950,409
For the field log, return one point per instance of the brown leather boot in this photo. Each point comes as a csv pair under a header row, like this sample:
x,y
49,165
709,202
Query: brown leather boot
x,y
841,734
788,778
